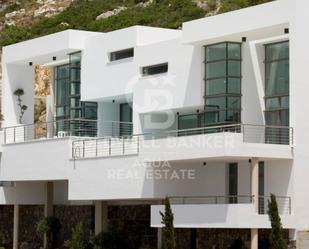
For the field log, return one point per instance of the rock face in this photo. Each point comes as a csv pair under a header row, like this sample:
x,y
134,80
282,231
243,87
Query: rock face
x,y
42,81
113,12
49,8
24,13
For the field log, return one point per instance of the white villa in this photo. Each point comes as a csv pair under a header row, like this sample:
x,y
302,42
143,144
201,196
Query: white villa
x,y
213,116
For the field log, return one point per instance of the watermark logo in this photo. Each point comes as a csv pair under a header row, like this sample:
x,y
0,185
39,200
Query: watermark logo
x,y
151,171
154,94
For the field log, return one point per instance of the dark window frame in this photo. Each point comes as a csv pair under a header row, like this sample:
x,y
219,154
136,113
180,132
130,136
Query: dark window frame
x,y
124,54
226,77
164,66
279,96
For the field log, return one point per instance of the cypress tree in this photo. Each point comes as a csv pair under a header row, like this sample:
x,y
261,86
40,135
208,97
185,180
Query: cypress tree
x,y
169,241
276,236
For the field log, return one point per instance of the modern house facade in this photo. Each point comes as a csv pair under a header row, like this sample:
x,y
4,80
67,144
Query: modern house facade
x,y
213,116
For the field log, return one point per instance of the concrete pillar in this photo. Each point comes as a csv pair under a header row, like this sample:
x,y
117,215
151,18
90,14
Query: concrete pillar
x,y
255,182
48,207
100,217
49,199
159,238
254,238
15,226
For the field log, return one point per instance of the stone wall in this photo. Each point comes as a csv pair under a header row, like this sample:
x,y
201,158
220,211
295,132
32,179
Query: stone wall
x,y
134,222
29,216
222,238
70,216
6,226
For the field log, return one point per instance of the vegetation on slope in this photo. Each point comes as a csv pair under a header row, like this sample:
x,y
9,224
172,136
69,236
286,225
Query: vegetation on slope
x,y
82,15
229,5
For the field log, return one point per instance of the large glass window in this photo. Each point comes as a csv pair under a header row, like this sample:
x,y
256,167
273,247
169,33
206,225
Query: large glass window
x,y
69,108
277,83
223,83
62,79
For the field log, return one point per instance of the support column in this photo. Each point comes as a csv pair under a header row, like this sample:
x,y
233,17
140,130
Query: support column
x,y
15,227
159,238
255,193
100,217
48,207
49,199
255,182
254,238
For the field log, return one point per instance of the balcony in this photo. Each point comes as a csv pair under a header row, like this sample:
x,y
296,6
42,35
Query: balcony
x,y
221,212
239,140
109,138
65,128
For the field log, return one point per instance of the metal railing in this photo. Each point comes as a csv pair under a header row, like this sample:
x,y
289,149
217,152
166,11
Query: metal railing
x,y
284,204
112,144
251,133
115,128
64,128
104,147
220,199
53,129
267,134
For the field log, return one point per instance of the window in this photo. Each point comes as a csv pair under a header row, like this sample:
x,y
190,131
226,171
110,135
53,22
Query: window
x,y
277,91
7,184
122,54
62,79
277,83
233,182
125,127
69,108
262,188
155,69
189,121
222,83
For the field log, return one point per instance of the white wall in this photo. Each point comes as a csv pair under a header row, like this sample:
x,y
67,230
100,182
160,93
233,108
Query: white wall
x,y
109,178
37,160
105,79
14,77
217,216
33,193
244,21
182,86
299,74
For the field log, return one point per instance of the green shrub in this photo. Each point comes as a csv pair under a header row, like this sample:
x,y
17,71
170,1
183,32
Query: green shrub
x,y
169,240
229,5
78,238
276,235
111,239
50,226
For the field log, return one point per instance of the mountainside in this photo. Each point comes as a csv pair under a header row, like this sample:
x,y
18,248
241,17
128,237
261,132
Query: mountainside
x,y
25,19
